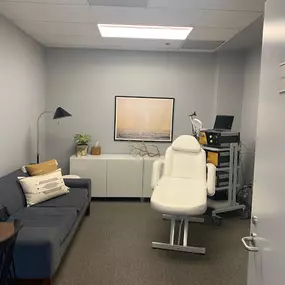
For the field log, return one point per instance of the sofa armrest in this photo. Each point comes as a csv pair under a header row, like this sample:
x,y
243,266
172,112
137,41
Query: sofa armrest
x,y
84,183
37,253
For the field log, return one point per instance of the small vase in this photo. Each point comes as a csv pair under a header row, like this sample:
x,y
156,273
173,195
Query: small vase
x,y
81,150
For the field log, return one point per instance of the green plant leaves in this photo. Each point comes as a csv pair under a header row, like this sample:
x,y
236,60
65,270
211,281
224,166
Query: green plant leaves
x,y
82,139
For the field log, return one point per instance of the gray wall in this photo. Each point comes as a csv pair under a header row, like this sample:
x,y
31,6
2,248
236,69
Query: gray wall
x,y
86,81
22,96
249,110
229,88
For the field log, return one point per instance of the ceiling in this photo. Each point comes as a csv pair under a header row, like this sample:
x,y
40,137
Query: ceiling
x,y
73,23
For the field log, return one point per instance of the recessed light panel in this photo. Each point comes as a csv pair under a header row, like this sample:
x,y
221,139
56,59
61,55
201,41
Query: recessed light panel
x,y
144,32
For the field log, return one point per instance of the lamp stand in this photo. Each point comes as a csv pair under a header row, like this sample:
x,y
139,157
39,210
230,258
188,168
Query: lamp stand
x,y
38,133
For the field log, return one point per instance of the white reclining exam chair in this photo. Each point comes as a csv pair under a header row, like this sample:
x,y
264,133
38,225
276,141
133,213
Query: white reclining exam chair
x,y
181,191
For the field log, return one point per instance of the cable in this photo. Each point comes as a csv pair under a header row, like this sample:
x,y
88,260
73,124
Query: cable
x,y
241,170
242,144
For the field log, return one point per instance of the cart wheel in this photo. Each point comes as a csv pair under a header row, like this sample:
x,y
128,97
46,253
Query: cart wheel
x,y
217,221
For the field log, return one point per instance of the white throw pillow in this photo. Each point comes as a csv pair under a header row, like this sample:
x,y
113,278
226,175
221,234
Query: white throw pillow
x,y
43,187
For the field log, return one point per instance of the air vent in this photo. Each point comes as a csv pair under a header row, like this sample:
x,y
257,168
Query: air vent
x,y
201,45
119,3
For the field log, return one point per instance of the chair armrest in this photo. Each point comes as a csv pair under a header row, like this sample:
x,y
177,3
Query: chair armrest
x,y
211,179
84,183
156,172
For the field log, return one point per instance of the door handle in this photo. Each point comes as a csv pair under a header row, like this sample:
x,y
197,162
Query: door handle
x,y
251,240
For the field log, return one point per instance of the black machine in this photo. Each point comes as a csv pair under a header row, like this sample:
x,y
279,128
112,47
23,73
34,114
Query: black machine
x,y
221,135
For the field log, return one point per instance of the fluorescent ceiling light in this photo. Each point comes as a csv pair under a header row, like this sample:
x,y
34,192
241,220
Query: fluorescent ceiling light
x,y
144,32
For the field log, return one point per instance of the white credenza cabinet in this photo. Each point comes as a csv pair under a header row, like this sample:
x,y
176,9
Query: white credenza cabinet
x,y
115,175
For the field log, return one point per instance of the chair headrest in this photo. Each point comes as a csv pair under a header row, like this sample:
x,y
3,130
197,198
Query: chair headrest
x,y
187,144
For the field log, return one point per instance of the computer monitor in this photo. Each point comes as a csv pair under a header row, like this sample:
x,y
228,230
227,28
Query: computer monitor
x,y
223,122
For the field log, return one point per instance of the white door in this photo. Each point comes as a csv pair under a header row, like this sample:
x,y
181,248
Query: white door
x,y
267,265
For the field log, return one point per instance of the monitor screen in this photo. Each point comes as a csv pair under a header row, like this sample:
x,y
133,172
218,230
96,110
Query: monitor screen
x,y
223,122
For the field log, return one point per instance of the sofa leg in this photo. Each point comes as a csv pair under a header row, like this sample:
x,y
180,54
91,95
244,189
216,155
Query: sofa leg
x,y
88,211
31,282
46,282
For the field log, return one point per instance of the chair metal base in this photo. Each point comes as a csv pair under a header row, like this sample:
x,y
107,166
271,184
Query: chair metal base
x,y
178,247
179,218
175,247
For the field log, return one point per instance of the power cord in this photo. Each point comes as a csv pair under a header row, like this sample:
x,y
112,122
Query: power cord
x,y
242,198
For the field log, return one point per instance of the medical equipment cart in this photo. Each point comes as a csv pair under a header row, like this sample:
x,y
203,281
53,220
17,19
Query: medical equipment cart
x,y
220,206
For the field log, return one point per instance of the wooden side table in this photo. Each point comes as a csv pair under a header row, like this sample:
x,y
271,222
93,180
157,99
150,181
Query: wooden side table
x,y
8,235
7,229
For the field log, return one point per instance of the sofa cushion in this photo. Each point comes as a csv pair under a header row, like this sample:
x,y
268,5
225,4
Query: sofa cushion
x,y
61,219
76,198
43,187
42,168
11,194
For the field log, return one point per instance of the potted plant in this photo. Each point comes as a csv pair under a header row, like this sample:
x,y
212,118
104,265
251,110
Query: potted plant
x,y
82,141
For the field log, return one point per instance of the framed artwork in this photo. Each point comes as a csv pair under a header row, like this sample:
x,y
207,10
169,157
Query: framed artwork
x,y
148,119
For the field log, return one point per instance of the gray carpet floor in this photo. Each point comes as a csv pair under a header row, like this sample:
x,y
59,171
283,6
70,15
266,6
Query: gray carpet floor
x,y
113,246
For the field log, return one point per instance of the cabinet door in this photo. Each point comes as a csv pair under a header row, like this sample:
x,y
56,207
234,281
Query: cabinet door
x,y
124,178
95,169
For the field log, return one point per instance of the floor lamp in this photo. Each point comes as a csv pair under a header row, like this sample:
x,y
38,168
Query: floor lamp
x,y
58,114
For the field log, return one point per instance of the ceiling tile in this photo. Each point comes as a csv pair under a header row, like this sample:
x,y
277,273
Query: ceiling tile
x,y
201,45
103,43
227,19
122,3
46,12
69,40
69,2
212,34
241,5
50,29
137,16
73,23
138,44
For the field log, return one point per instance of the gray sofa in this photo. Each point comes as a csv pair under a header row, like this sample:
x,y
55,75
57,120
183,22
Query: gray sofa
x,y
48,227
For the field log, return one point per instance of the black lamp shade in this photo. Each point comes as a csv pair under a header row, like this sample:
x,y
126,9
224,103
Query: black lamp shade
x,y
60,113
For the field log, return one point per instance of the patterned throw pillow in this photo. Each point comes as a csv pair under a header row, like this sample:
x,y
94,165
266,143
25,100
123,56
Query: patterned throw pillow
x,y
43,187
42,168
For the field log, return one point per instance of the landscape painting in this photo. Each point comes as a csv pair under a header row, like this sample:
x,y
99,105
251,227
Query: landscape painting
x,y
144,119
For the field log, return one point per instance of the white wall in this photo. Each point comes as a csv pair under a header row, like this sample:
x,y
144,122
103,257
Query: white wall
x,y
249,110
22,96
85,83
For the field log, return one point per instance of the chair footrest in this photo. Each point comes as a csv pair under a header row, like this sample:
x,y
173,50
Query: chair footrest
x,y
174,247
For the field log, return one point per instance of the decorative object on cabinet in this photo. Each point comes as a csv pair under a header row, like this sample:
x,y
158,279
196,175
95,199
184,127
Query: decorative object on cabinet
x,y
82,142
141,149
96,149
148,119
58,114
